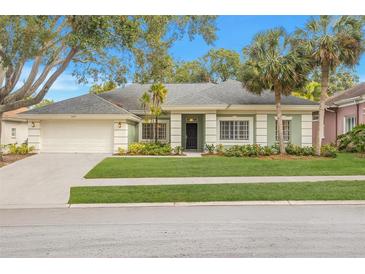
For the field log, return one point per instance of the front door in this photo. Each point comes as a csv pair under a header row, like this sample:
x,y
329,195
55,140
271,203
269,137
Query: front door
x,y
191,136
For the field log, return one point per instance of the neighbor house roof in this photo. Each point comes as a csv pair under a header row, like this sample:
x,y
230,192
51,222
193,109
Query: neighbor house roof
x,y
84,104
350,93
126,100
13,114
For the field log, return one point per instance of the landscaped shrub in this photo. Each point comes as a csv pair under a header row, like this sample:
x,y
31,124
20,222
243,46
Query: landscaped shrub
x,y
121,151
329,151
219,149
20,149
178,150
210,148
353,141
292,149
136,148
248,151
149,149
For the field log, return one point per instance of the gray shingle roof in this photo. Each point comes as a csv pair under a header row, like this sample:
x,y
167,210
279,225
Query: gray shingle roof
x,y
356,91
126,100
226,93
232,92
128,97
85,104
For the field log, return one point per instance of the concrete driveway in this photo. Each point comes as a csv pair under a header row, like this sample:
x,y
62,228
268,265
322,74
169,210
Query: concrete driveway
x,y
44,179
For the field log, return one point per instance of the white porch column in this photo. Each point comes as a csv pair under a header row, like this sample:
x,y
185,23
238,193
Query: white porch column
x,y
120,136
34,135
306,130
175,133
211,128
261,129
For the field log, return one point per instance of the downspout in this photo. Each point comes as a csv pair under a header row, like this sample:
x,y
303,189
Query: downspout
x,y
357,113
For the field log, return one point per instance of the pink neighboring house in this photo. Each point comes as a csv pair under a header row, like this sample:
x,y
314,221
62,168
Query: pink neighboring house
x,y
344,111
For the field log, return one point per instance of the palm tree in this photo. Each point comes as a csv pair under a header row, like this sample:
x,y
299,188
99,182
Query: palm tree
x,y
152,100
330,41
273,64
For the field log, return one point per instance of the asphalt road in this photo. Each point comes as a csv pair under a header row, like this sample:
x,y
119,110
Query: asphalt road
x,y
216,231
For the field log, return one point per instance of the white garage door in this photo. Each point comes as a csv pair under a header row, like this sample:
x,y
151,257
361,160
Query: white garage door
x,y
77,136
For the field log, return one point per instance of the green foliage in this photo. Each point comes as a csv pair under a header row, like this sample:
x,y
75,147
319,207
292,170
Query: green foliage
x,y
149,149
107,86
97,48
210,148
249,151
154,63
178,150
121,151
43,103
353,141
222,64
22,149
219,149
190,72
329,151
292,149
311,91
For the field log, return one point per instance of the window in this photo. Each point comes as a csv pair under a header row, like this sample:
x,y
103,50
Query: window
x,y
350,123
286,130
148,130
13,132
234,130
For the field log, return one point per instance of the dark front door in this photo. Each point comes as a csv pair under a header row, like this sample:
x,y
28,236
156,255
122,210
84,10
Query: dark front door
x,y
191,136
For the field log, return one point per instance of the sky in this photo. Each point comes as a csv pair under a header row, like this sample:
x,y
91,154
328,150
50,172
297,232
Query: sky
x,y
234,32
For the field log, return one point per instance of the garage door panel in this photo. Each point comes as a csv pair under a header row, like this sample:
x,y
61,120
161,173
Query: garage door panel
x,y
77,136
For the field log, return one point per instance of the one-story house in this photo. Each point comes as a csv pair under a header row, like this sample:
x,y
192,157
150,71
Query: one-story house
x,y
194,115
14,130
344,111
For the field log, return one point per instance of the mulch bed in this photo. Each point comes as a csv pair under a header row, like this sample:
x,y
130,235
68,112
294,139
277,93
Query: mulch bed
x,y
11,158
274,157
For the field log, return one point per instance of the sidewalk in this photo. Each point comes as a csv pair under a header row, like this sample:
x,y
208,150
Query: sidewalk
x,y
212,180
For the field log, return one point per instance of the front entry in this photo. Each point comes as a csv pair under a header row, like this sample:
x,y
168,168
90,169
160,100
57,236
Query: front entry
x,y
191,136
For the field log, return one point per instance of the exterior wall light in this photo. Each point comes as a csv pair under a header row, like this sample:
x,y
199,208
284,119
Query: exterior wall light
x,y
33,124
119,124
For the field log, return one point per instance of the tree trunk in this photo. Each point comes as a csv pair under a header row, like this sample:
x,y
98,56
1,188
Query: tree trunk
x,y
322,106
279,120
1,145
156,129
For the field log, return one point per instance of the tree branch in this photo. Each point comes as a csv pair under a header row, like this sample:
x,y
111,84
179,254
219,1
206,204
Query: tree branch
x,y
38,98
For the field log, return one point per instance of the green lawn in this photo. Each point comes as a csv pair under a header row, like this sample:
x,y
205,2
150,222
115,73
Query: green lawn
x,y
337,190
124,167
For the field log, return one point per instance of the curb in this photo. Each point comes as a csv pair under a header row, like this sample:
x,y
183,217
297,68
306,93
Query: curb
x,y
185,204
233,203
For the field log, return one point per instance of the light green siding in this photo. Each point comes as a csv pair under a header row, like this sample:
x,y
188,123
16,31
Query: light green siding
x,y
295,131
201,129
132,133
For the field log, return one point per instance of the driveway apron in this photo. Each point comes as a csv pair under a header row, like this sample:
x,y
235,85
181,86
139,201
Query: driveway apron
x,y
44,179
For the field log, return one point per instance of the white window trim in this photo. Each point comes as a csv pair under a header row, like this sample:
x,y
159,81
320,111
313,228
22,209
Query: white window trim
x,y
285,117
344,122
167,122
234,142
11,133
